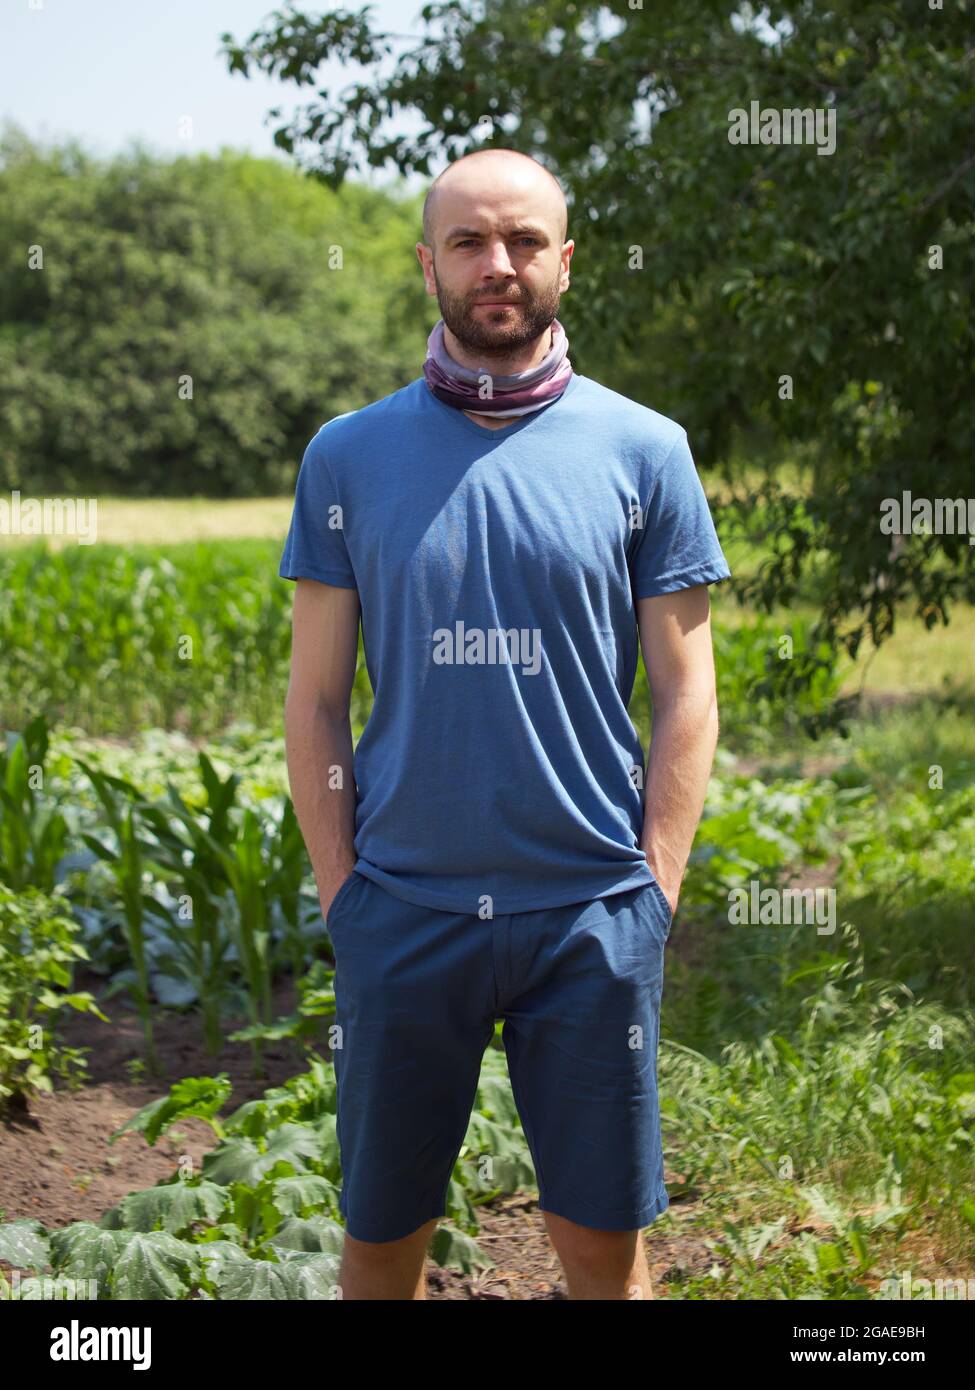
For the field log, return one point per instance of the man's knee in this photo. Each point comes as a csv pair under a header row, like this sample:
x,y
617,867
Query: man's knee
x,y
382,1249
586,1245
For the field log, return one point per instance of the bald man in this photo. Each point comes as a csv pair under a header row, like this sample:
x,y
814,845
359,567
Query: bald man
x,y
496,850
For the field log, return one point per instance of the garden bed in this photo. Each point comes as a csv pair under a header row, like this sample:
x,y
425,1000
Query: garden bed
x,y
59,1167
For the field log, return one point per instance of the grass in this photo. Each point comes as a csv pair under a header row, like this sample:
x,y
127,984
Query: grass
x,y
914,661
125,520
820,1158
917,659
818,1093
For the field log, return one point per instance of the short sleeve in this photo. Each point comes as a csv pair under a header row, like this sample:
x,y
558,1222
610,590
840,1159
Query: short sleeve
x,y
316,546
678,546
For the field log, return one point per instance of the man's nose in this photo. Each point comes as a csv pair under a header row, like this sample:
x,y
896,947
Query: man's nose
x,y
496,260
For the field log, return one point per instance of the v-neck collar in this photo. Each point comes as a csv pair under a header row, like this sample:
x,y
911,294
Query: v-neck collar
x,y
501,431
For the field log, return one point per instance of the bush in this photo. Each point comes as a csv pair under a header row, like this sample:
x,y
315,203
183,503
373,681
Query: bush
x,y
37,953
193,322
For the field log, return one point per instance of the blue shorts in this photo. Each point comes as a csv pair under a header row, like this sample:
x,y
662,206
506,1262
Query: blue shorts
x,y
417,993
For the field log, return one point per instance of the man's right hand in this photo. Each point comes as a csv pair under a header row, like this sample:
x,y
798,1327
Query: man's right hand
x,y
327,897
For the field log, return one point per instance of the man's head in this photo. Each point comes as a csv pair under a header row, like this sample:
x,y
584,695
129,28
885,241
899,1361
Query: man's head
x,y
494,225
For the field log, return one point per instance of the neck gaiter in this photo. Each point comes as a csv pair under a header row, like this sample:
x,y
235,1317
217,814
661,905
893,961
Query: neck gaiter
x,y
511,395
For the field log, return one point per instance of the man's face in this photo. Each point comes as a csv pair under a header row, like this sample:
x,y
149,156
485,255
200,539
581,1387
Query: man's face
x,y
498,266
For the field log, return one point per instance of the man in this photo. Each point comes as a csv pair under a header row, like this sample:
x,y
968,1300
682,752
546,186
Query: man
x,y
507,528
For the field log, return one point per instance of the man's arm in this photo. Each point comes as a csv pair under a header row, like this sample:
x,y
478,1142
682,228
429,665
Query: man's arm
x,y
675,634
317,731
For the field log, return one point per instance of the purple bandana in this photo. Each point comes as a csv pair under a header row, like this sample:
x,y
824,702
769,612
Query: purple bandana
x,y
511,395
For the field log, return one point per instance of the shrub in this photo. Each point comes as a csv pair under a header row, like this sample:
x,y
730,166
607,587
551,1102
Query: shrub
x,y
38,951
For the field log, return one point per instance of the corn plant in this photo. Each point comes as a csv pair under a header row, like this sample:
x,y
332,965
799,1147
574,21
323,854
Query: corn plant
x,y
127,861
32,836
316,1001
190,855
238,857
196,943
288,862
247,870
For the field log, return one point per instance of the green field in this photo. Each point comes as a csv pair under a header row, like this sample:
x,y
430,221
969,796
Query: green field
x,y
818,1092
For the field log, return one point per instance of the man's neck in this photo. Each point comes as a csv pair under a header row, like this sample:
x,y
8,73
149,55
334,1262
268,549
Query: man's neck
x,y
505,368
489,422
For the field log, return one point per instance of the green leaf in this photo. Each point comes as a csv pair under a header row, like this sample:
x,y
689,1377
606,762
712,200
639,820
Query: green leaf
x,y
240,1160
198,1096
828,1258
173,1206
237,1159
306,1276
86,1251
293,1196
308,1233
451,1247
24,1244
155,1265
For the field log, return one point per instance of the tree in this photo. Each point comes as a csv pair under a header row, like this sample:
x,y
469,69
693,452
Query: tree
x,y
821,293
194,321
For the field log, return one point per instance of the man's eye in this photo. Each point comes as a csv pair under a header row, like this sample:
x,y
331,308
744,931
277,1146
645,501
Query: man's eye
x,y
469,241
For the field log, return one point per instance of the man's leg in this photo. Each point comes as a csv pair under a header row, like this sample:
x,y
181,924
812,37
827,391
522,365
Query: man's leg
x,y
600,1264
414,1005
386,1269
581,1033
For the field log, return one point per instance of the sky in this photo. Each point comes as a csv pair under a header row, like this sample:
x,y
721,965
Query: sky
x,y
108,71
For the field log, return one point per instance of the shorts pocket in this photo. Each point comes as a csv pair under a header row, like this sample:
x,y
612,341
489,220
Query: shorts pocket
x,y
338,900
660,897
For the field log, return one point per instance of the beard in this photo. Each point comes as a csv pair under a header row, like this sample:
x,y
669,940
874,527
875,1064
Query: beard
x,y
498,332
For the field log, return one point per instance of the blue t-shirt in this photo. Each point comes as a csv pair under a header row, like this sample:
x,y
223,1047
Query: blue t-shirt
x,y
498,570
